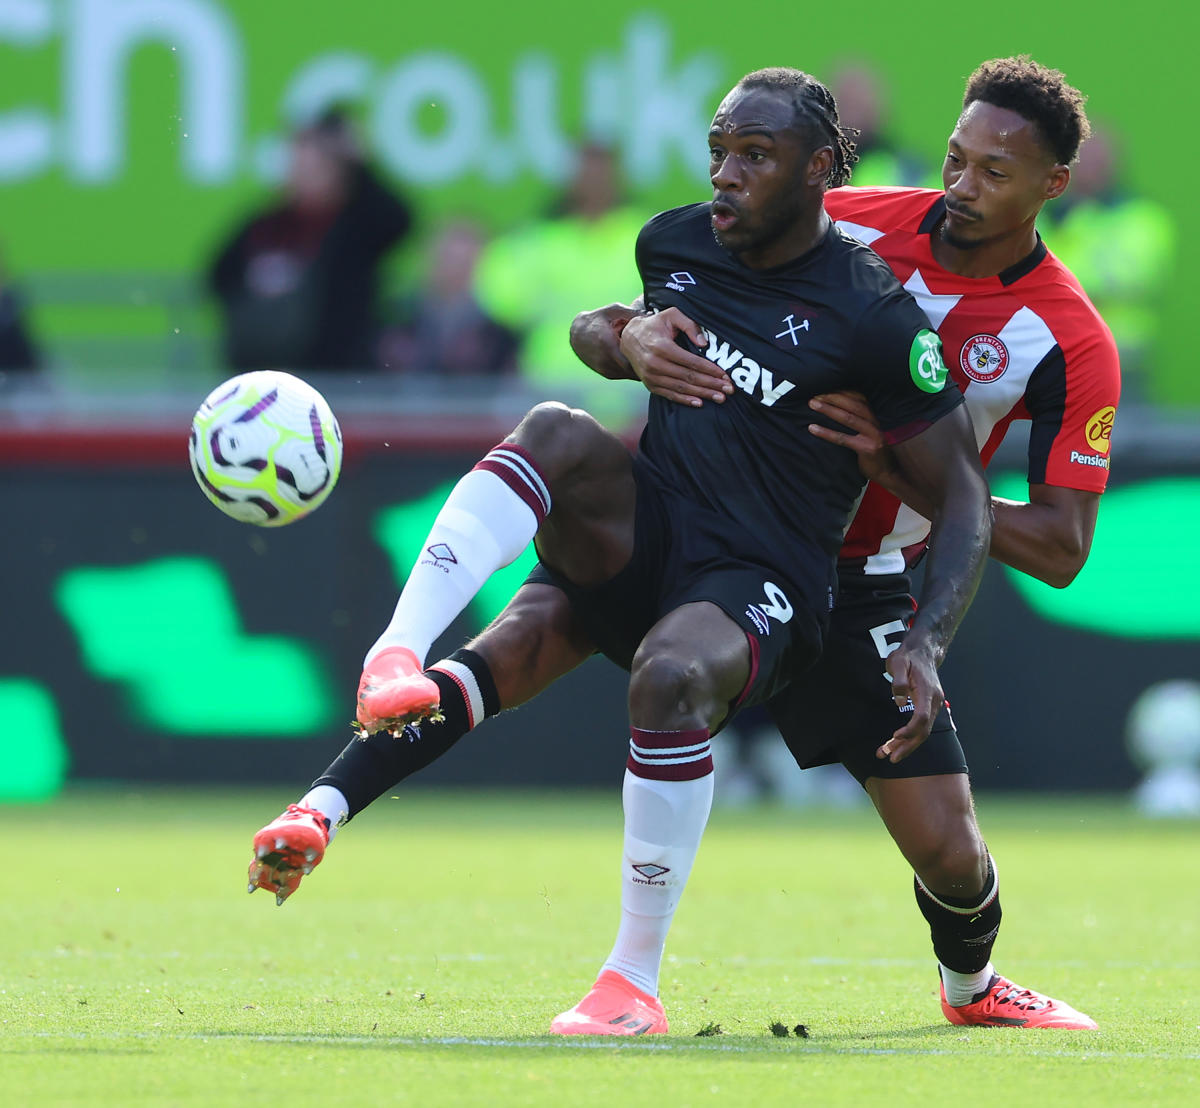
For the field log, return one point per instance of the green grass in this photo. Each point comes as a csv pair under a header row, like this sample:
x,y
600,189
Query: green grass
x,y
422,962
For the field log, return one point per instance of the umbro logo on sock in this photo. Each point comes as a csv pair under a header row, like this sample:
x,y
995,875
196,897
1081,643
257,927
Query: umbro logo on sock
x,y
441,553
649,873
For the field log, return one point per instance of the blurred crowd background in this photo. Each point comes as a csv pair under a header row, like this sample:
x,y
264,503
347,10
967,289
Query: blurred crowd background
x,y
407,206
193,187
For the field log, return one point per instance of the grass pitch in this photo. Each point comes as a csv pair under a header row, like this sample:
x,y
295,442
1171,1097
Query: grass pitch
x,y
423,960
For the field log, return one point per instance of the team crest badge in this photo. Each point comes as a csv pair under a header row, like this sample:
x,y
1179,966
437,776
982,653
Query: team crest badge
x,y
983,358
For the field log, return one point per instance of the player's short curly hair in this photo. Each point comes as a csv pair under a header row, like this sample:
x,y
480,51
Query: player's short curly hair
x,y
816,110
1038,94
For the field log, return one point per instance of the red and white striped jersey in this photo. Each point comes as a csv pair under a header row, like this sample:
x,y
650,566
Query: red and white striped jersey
x,y
1025,344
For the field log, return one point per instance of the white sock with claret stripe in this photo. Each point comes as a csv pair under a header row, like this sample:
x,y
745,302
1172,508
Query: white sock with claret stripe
x,y
667,797
488,519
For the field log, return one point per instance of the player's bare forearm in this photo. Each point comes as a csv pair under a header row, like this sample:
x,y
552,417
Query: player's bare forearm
x,y
1050,537
945,457
596,340
958,548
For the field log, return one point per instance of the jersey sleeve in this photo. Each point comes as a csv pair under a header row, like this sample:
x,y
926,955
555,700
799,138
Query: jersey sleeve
x,y
642,251
1072,400
648,248
900,369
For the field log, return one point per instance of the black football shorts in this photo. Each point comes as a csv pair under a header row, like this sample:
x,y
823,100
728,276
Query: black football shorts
x,y
841,710
684,553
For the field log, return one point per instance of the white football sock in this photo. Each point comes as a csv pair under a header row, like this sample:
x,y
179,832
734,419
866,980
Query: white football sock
x,y
330,803
664,822
486,522
962,988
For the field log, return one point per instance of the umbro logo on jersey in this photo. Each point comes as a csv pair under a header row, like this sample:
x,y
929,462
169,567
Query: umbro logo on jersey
x,y
759,619
983,358
678,280
752,378
777,606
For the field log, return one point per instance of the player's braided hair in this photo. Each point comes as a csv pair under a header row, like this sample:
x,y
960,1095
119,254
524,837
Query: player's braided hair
x,y
816,109
1038,94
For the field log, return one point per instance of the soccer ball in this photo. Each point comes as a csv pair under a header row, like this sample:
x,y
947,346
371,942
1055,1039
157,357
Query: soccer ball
x,y
265,448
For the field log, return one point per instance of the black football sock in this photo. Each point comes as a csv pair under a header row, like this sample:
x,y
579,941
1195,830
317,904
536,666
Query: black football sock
x,y
963,930
369,767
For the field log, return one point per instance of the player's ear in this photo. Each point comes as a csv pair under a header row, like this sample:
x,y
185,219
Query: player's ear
x,y
1056,181
820,165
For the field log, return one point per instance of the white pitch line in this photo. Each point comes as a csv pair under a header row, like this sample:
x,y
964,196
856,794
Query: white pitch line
x,y
643,1043
657,1043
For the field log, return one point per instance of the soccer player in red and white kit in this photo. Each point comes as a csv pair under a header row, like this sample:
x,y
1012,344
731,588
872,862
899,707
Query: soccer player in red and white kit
x,y
1023,342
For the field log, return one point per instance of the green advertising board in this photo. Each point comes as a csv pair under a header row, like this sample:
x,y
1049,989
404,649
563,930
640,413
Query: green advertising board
x,y
134,133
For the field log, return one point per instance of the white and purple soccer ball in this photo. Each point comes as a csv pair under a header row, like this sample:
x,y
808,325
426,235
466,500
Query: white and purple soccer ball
x,y
266,448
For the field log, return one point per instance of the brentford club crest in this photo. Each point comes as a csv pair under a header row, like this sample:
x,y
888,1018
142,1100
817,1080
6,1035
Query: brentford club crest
x,y
983,358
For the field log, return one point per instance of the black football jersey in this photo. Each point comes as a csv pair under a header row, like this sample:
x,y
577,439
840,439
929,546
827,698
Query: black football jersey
x,y
834,318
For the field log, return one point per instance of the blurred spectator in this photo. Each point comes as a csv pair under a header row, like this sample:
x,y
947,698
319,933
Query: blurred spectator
x,y
444,330
535,278
298,282
17,351
1121,247
862,103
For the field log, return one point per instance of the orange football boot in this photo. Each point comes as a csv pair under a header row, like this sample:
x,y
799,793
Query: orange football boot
x,y
393,691
287,849
1008,1005
614,1006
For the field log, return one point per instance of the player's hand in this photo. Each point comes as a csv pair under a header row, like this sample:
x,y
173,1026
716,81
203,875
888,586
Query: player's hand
x,y
664,367
914,680
862,435
596,340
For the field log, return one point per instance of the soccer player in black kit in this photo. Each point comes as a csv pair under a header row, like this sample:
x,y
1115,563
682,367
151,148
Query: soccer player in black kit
x,y
704,563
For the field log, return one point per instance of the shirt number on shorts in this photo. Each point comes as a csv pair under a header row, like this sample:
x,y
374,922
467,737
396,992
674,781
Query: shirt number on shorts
x,y
777,604
879,636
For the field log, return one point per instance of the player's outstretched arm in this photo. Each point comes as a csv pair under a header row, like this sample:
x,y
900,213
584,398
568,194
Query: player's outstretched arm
x,y
944,459
1049,537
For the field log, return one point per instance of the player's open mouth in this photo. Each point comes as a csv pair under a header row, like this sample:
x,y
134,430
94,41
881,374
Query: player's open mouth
x,y
723,216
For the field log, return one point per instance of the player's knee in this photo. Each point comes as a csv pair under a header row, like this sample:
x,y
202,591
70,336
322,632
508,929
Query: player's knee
x,y
669,689
953,863
558,438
